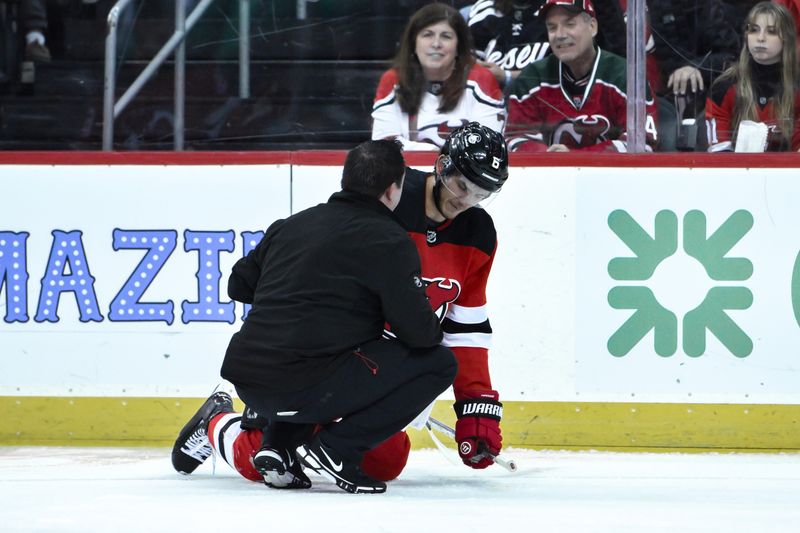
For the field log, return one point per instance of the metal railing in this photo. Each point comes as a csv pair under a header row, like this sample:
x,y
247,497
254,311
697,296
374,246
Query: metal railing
x,y
176,44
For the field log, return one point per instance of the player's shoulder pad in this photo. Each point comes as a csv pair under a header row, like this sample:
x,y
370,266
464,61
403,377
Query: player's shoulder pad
x,y
477,229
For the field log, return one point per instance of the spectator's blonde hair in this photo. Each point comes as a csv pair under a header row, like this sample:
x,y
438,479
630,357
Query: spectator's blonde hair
x,y
411,80
742,72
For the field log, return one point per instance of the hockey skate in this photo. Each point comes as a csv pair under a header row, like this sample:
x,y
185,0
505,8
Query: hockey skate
x,y
347,476
192,447
281,469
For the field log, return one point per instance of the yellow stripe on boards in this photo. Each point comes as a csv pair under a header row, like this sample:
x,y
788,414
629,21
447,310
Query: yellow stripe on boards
x,y
104,421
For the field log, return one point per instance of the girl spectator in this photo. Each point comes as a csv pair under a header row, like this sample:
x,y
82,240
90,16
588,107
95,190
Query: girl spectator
x,y
434,86
762,86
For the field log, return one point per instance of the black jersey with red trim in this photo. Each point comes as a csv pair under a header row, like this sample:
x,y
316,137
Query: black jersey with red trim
x,y
456,258
511,41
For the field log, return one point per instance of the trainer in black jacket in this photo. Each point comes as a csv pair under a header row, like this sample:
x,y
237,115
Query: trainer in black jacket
x,y
323,283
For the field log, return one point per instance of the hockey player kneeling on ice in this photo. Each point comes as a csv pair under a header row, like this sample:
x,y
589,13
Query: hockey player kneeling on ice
x,y
322,284
456,242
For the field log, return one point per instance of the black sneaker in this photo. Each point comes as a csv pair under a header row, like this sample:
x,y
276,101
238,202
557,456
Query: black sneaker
x,y
327,463
192,447
281,469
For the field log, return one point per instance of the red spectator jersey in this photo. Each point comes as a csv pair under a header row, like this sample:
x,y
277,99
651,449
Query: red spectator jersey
x,y
456,258
720,107
482,102
547,107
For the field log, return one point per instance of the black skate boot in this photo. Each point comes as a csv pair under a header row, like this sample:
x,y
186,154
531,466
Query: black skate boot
x,y
347,475
192,447
281,469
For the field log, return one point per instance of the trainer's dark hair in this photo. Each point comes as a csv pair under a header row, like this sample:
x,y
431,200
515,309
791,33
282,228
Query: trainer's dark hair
x,y
372,166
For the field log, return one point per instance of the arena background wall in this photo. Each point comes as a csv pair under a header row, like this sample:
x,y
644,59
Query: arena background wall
x,y
639,302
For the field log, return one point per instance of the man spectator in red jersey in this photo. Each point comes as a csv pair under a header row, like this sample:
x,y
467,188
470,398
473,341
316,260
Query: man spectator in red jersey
x,y
574,99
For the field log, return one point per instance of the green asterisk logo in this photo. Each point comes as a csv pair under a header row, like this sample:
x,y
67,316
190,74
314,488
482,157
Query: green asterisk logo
x,y
650,252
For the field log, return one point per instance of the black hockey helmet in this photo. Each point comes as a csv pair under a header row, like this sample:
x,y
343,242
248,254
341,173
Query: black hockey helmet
x,y
479,153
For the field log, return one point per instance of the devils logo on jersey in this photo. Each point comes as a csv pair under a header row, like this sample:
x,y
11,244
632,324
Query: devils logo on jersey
x,y
441,293
582,131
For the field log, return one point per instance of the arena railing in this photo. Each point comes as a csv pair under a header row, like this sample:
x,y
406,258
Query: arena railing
x,y
176,44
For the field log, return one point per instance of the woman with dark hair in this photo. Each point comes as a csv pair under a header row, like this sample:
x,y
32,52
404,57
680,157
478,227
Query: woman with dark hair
x,y
434,85
762,87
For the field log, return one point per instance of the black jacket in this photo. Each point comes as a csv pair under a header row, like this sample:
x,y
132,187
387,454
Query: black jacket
x,y
700,33
322,282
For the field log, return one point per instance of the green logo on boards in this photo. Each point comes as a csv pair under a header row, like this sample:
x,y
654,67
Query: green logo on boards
x,y
651,254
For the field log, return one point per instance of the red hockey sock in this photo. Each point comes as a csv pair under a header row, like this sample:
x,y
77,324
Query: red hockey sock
x,y
235,445
387,460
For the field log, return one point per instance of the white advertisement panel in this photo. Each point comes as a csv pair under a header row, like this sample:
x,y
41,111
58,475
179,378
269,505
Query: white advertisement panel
x,y
685,283
609,284
114,277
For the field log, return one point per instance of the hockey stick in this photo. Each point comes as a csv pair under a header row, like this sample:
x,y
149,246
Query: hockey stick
x,y
509,464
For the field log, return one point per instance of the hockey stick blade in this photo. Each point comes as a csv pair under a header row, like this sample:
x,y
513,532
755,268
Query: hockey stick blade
x,y
508,464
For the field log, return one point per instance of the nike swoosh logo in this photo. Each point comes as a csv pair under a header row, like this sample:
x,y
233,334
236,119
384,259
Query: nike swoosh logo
x,y
337,467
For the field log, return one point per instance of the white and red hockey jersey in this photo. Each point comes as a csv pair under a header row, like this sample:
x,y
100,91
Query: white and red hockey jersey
x,y
456,258
482,102
542,112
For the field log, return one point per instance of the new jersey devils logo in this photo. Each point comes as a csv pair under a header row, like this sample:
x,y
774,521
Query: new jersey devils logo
x,y
441,293
437,133
582,131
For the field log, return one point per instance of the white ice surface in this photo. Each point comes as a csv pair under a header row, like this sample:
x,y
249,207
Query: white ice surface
x,y
124,489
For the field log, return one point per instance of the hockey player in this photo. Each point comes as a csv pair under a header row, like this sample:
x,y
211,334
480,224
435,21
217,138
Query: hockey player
x,y
456,242
322,284
574,99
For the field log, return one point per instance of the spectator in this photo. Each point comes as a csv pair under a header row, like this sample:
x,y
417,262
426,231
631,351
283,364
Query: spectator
x,y
762,87
435,86
33,20
508,35
694,42
574,99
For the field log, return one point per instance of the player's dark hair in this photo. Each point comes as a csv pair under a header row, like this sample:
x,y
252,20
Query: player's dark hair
x,y
412,84
372,166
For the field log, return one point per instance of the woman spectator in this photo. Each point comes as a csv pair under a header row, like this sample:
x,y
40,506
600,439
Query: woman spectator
x,y
435,86
761,87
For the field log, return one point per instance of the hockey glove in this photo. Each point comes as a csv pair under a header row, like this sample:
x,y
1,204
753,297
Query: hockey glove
x,y
478,428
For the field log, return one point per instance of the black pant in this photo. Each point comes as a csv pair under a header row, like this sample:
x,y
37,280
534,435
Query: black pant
x,y
376,392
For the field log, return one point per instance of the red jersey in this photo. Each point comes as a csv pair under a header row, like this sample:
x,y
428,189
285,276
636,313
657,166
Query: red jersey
x,y
720,106
456,259
547,107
